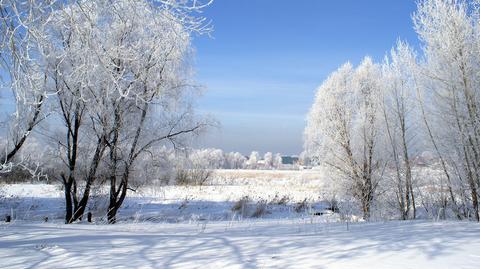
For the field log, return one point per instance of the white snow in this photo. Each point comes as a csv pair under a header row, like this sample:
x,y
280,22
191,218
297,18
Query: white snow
x,y
250,244
194,227
32,202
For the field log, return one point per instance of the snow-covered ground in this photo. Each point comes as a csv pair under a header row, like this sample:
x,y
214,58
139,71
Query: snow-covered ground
x,y
300,243
280,191
195,227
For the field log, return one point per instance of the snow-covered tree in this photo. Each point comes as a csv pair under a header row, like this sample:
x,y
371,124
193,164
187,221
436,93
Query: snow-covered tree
x,y
278,161
268,160
252,162
343,129
208,158
235,160
401,121
120,70
22,34
450,32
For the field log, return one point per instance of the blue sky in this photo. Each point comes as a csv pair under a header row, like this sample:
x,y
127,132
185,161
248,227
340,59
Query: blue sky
x,y
267,57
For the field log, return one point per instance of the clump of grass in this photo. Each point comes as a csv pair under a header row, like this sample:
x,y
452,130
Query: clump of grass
x,y
241,206
192,177
260,209
302,206
277,200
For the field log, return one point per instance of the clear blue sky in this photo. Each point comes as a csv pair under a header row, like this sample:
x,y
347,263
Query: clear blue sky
x,y
267,57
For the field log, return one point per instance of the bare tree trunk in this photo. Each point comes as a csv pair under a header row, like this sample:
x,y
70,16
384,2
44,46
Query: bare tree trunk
x,y
71,202
112,207
72,111
367,198
68,201
117,196
408,175
82,204
400,192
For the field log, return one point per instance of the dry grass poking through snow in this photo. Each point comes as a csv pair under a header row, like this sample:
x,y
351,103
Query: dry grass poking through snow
x,y
266,190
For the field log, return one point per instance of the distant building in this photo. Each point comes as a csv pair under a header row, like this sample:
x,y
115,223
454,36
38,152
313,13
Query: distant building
x,y
290,160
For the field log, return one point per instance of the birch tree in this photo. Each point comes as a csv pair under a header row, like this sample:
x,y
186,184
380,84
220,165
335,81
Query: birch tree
x,y
343,129
401,121
450,33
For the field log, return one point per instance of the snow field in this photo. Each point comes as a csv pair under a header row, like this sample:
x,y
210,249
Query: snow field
x,y
299,243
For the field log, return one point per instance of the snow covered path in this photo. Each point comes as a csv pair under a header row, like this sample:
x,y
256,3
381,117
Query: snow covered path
x,y
249,244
